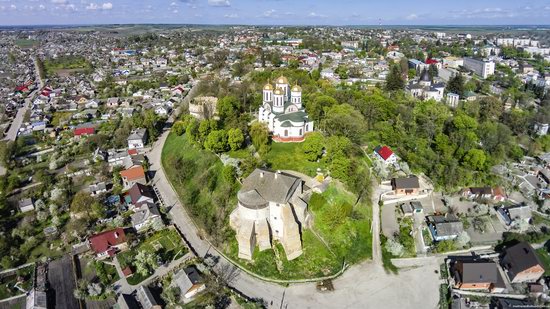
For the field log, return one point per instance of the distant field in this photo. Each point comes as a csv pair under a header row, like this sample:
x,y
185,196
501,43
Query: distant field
x,y
25,43
65,65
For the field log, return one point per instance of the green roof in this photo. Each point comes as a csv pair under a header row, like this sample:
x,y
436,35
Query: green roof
x,y
286,124
298,116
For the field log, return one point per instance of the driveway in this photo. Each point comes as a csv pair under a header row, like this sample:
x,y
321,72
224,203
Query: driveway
x,y
389,220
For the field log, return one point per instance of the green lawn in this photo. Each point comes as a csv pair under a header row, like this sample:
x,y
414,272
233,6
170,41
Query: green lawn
x,y
26,43
7,283
290,156
544,257
167,240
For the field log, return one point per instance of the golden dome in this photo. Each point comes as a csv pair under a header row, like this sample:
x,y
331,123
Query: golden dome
x,y
282,80
268,86
296,88
278,91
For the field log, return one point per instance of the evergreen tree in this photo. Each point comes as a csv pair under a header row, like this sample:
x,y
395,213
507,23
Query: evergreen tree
x,y
394,80
456,85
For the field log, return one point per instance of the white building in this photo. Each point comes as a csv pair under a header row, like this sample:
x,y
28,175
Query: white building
x,y
283,112
137,139
424,89
482,68
270,207
452,99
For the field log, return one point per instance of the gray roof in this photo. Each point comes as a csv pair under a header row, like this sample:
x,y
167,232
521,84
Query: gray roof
x,y
145,297
137,134
264,186
186,278
25,202
479,272
406,183
520,257
145,213
449,228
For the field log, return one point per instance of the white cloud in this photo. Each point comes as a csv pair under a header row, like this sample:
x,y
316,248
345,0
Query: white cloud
x,y
411,17
59,1
316,15
269,13
233,15
175,11
219,3
94,6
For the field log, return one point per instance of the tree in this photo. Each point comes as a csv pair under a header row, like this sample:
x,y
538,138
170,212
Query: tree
x,y
82,203
456,85
146,262
259,134
344,120
394,247
432,71
216,141
475,159
313,146
394,80
235,138
463,239
179,127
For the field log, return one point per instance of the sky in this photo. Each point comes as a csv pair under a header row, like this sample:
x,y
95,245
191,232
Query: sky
x,y
276,12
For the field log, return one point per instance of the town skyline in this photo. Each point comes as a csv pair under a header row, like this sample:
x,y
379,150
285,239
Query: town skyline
x,y
269,12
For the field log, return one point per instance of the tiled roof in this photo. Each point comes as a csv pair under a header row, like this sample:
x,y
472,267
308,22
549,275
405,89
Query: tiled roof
x,y
104,241
133,173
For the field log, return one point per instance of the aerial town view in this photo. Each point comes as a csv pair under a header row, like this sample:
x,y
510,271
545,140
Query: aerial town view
x,y
274,154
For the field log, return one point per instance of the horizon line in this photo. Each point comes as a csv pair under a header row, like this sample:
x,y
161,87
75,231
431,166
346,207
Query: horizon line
x,y
272,25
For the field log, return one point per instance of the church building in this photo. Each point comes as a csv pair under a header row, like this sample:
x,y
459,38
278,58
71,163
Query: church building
x,y
283,112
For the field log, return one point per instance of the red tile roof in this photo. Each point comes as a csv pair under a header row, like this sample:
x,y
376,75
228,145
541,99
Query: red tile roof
x,y
84,131
133,173
127,271
431,61
385,152
132,152
103,242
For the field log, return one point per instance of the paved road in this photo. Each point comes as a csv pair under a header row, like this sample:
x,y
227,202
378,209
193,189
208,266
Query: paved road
x,y
366,285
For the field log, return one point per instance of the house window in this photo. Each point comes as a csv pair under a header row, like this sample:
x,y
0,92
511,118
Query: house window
x,y
286,132
300,131
274,218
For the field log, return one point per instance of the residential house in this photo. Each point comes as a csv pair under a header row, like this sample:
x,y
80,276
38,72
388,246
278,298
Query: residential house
x,y
146,298
385,154
477,275
98,188
112,103
26,205
488,193
189,282
147,215
84,130
444,227
132,176
406,186
512,215
138,195
126,301
522,264
108,243
137,139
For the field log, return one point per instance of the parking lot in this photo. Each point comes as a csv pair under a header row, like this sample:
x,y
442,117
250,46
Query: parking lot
x,y
62,283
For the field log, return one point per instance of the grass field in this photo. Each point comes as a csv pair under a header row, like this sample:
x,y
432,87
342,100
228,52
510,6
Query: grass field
x,y
290,156
26,43
544,257
167,240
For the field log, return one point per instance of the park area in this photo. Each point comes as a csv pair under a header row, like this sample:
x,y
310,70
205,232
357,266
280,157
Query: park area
x,y
66,65
165,244
341,229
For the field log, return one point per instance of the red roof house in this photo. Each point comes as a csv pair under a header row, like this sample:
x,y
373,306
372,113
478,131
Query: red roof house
x,y
385,154
84,130
431,61
132,176
108,243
